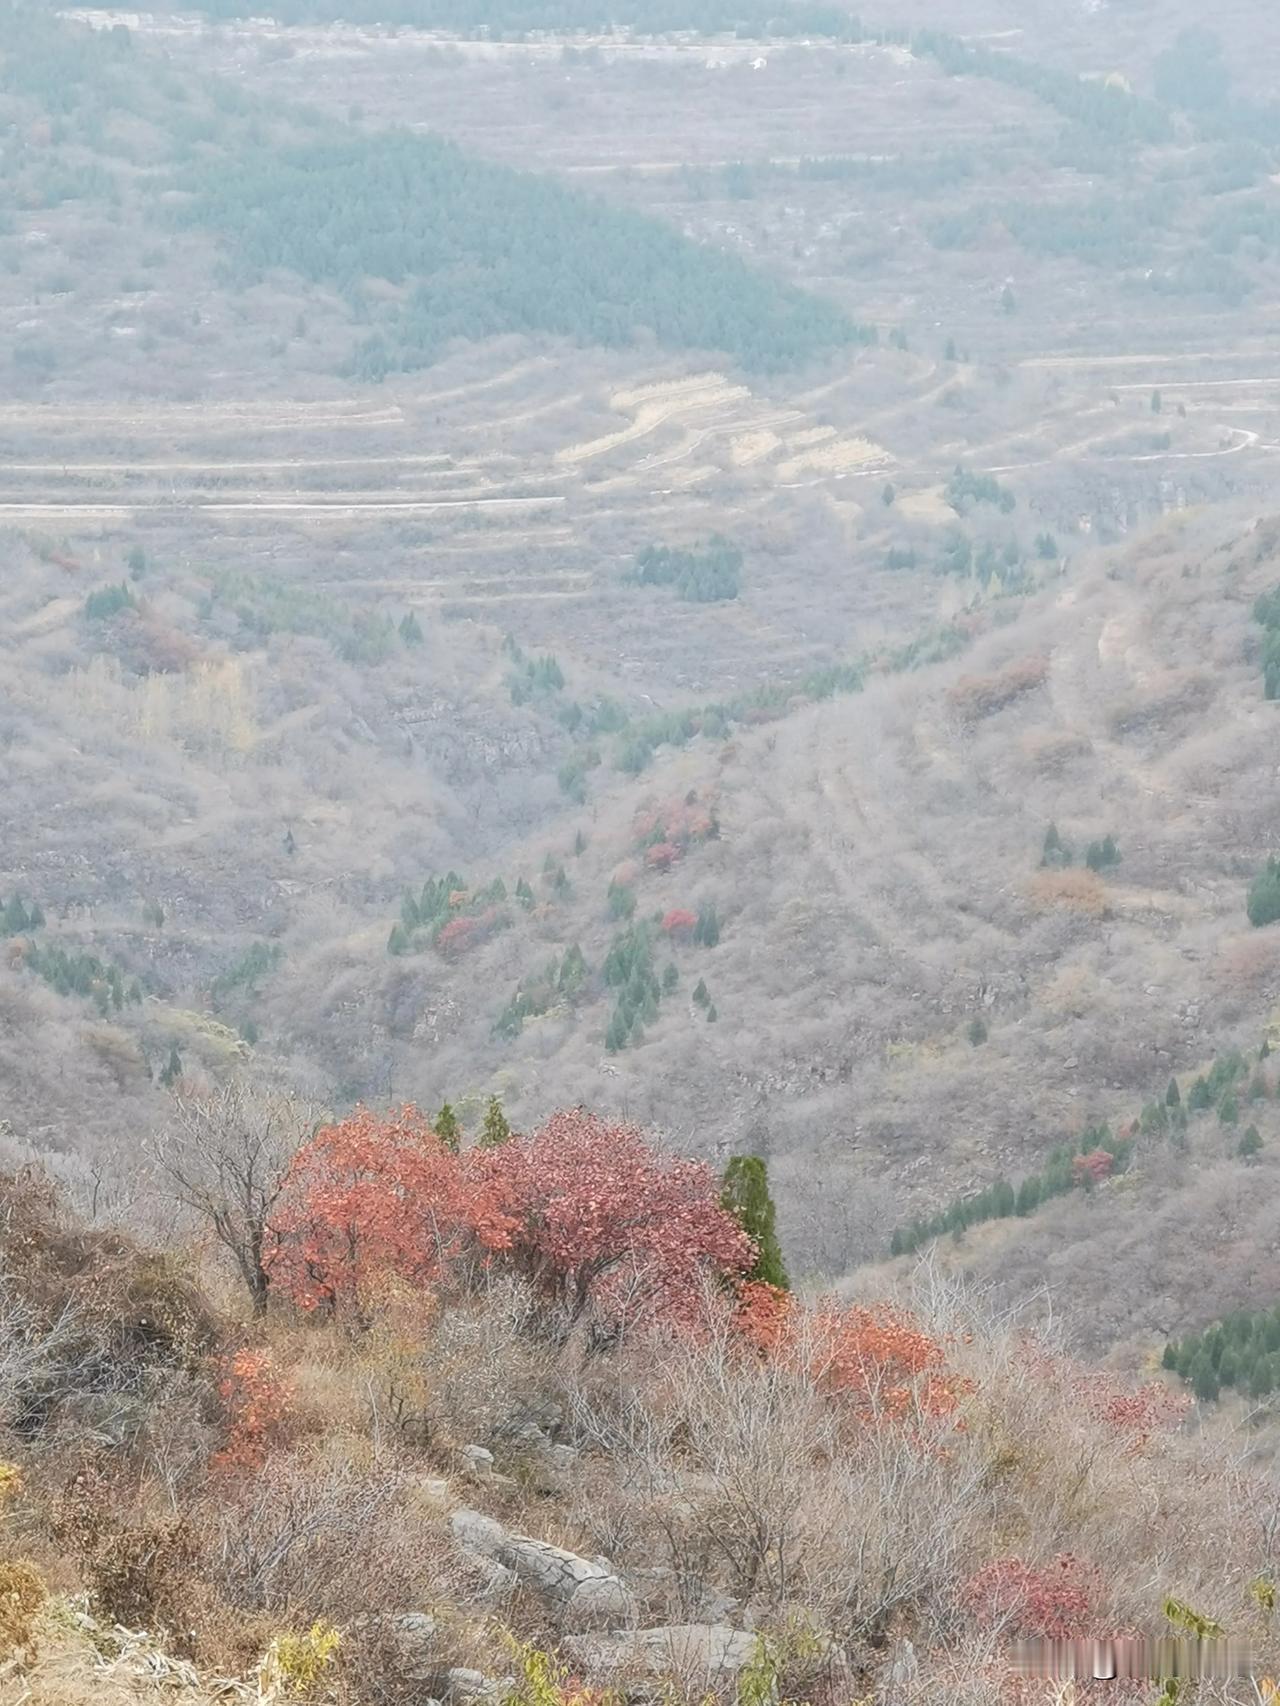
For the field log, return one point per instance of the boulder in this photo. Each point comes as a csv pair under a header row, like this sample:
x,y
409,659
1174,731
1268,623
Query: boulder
x,y
478,1461
475,1532
702,1653
585,1592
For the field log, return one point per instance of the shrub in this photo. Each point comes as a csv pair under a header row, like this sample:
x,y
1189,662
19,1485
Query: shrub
x,y
978,696
1074,890
1263,903
22,1593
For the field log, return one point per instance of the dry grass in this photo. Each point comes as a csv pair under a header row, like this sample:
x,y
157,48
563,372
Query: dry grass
x,y
1079,891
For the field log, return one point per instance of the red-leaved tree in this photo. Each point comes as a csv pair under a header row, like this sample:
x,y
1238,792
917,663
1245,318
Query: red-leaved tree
x,y
599,1216
372,1196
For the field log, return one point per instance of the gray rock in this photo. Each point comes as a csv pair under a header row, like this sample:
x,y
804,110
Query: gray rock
x,y
703,1653
585,1591
462,1684
561,1458
478,1461
477,1533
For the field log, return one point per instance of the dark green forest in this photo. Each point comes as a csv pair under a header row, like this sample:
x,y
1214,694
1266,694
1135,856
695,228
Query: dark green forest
x,y
486,250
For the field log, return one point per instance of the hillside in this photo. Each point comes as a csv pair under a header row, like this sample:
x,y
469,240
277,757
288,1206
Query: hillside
x,y
643,673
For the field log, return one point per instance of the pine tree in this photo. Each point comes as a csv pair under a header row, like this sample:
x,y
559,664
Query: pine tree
x,y
1173,1096
410,629
173,1070
670,978
712,1015
977,1032
1250,1143
447,1129
1201,1096
888,494
700,995
495,1131
1229,1109
398,940
1008,301
746,1196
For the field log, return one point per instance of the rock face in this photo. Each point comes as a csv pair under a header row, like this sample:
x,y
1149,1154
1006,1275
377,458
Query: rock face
x,y
585,1593
702,1653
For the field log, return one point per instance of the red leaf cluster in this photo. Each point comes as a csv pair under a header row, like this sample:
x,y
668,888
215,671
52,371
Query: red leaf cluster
x,y
590,1212
1054,1601
256,1403
662,855
679,922
1135,1416
1097,1165
682,822
599,1215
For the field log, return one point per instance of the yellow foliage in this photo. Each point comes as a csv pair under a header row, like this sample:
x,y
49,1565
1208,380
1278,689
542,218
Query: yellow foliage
x,y
209,708
22,1593
1076,891
294,1664
10,1481
542,1681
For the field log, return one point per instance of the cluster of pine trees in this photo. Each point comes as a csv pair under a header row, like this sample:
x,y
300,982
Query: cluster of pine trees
x,y
561,980
1003,1199
965,489
18,916
425,914
709,576
1267,612
78,973
1242,1351
1263,902
629,969
485,249
1056,854
263,605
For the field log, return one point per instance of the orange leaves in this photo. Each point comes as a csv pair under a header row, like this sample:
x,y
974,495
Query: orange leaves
x,y
877,1359
662,855
256,1402
370,1196
1134,1416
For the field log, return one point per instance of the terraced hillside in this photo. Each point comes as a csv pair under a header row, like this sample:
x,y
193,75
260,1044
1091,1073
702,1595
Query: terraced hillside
x,y
738,695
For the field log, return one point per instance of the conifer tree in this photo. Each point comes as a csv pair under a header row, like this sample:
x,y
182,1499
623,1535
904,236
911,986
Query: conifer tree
x,y
495,1130
1173,1096
747,1197
1250,1143
446,1127
700,995
398,940
173,1069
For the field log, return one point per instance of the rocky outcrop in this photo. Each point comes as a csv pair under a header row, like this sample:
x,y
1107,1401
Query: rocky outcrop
x,y
582,1593
700,1653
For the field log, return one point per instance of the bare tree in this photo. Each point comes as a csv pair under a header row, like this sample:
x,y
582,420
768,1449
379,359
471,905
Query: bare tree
x,y
224,1157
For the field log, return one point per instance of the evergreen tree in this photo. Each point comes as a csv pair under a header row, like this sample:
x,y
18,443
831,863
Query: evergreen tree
x,y
888,494
495,1130
1173,1096
173,1069
1157,403
398,940
977,1031
1250,1143
1008,301
746,1196
1229,1108
410,629
447,1129
700,995
1201,1096
670,978
712,1015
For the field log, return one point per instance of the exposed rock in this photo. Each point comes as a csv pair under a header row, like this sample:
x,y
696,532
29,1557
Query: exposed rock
x,y
478,1461
462,1684
585,1591
702,1653
477,1533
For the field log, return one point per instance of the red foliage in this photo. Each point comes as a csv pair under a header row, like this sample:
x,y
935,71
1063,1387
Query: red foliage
x,y
370,1196
681,822
662,856
591,1213
1135,1416
598,1216
1097,1165
679,921
1053,1601
459,934
256,1402
878,1358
